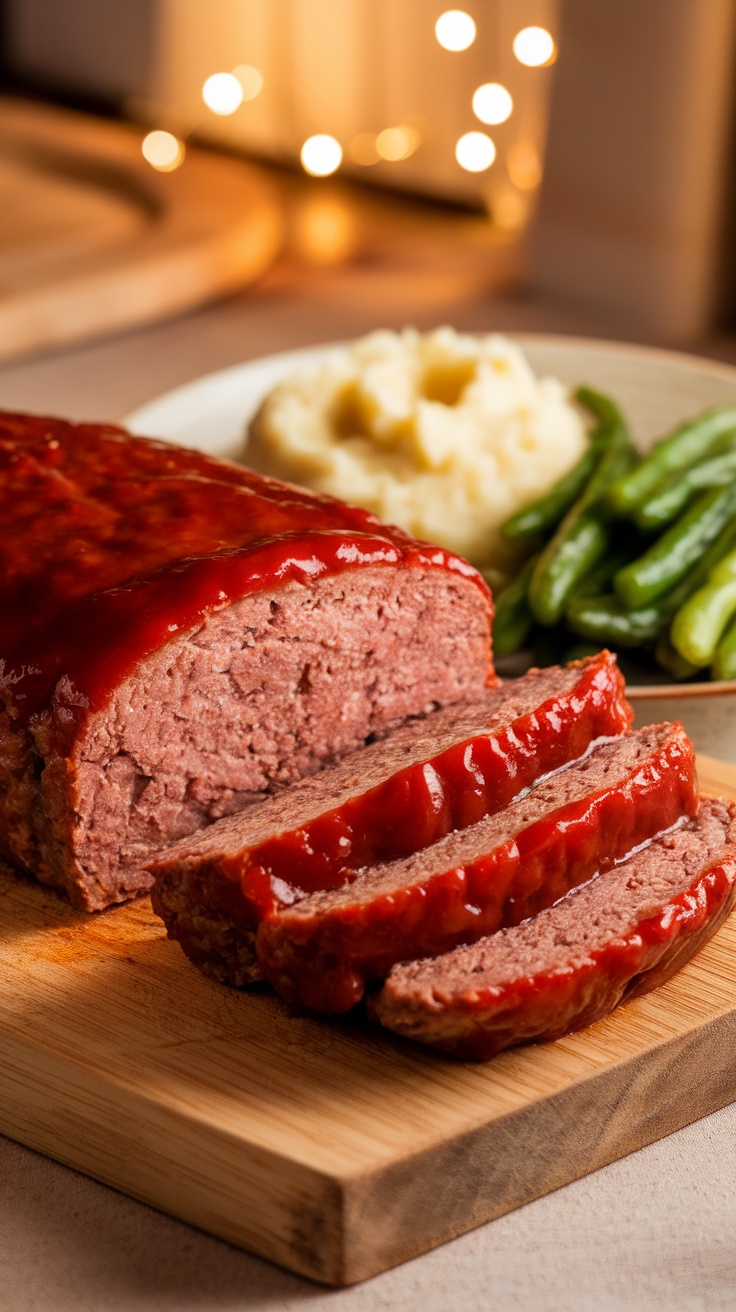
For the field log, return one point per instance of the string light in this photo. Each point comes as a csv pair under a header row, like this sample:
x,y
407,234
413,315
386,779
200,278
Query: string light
x,y
397,143
321,155
492,103
475,152
455,30
222,93
250,79
534,47
163,151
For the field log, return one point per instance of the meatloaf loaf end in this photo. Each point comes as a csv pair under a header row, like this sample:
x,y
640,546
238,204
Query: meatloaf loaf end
x,y
320,953
179,635
622,934
386,800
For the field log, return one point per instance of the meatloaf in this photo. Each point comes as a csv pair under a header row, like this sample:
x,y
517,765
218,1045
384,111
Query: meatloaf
x,y
620,935
179,635
320,953
386,800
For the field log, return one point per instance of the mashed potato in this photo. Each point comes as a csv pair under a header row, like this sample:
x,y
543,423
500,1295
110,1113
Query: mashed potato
x,y
445,434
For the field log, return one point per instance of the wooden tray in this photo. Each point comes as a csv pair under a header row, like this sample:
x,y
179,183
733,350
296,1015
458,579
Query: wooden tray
x,y
93,240
332,1149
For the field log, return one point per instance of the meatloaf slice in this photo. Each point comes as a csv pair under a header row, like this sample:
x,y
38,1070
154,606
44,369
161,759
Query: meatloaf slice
x,y
622,934
321,952
179,635
387,800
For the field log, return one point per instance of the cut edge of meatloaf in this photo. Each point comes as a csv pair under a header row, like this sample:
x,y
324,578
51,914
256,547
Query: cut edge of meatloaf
x,y
321,952
623,933
259,694
200,900
371,765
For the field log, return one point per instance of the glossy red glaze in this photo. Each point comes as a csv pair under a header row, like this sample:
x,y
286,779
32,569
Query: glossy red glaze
x,y
552,1005
419,804
111,544
323,962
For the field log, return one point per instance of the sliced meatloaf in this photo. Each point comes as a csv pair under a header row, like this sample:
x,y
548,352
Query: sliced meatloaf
x,y
179,635
321,952
388,799
620,935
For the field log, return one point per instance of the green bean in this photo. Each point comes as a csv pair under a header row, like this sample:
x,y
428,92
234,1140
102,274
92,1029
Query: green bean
x,y
724,661
582,539
513,619
605,620
669,658
700,623
669,558
597,582
599,406
578,545
675,493
689,443
543,515
696,577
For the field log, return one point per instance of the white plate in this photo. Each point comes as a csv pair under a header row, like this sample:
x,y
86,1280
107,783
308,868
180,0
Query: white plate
x,y
656,389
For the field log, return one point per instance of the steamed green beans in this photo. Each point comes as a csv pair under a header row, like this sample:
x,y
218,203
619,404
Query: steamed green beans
x,y
668,502
513,620
607,621
701,622
670,558
576,548
601,407
724,660
543,515
688,444
582,538
675,596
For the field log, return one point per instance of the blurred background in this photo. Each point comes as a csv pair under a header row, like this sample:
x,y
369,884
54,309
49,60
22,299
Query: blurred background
x,y
219,181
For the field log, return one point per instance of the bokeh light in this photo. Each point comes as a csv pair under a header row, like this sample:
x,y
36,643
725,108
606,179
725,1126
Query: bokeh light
x,y
492,103
162,150
397,143
509,210
534,47
250,79
222,93
321,155
475,152
455,30
362,149
524,166
324,230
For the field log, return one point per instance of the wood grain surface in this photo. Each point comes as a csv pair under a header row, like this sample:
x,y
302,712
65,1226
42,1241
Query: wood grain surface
x,y
331,1148
93,240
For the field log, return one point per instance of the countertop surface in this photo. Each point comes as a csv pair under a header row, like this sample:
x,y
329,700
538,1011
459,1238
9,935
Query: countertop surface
x,y
653,1231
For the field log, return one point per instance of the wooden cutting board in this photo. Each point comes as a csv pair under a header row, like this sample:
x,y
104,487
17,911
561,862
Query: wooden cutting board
x,y
330,1148
93,240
